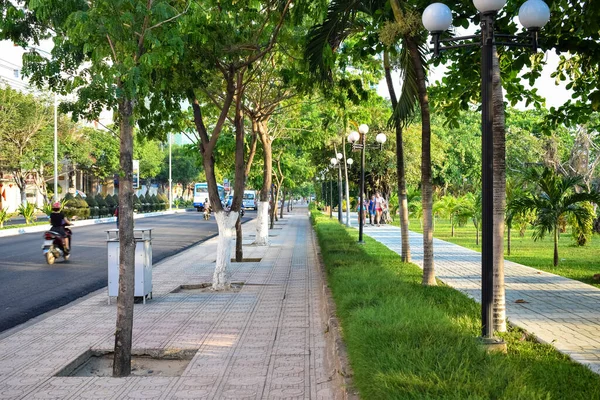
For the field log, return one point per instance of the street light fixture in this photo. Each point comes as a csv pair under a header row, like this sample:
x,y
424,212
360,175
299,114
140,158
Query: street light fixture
x,y
437,18
359,143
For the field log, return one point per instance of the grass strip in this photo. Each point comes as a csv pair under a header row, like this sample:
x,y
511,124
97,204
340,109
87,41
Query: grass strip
x,y
407,341
576,262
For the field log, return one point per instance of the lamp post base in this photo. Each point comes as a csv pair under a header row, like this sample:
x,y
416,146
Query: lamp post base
x,y
493,345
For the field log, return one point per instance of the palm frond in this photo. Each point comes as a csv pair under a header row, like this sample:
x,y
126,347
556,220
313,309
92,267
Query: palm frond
x,y
409,96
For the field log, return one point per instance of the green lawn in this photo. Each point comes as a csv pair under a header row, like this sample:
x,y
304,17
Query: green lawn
x,y
579,263
406,341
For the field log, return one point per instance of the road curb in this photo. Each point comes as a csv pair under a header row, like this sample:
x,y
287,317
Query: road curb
x,y
86,222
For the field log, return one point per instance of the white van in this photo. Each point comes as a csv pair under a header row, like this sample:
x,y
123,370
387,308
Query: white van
x,y
249,200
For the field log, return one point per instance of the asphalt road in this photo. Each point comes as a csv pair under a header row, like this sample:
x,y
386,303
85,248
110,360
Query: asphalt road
x,y
30,287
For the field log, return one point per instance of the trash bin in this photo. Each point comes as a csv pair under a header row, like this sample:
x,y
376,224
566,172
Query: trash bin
x,y
143,263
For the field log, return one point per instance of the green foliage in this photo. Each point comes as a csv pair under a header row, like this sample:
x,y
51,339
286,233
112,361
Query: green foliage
x,y
407,341
93,206
76,207
555,197
582,229
28,212
102,206
5,216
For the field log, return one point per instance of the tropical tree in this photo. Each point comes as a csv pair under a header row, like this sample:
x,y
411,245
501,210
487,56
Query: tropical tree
x,y
556,197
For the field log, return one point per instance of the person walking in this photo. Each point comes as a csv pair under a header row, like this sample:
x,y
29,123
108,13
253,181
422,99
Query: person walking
x,y
379,206
372,210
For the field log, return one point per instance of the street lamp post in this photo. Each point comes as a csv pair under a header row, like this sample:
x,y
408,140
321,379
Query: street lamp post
x,y
359,143
335,161
437,18
331,196
349,162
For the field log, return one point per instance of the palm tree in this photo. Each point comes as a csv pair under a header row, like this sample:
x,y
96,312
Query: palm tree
x,y
555,198
346,18
471,209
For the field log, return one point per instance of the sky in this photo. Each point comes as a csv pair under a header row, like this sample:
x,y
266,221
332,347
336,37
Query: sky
x,y
555,95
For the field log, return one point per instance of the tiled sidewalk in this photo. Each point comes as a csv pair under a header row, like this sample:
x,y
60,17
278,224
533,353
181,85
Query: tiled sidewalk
x,y
557,310
266,341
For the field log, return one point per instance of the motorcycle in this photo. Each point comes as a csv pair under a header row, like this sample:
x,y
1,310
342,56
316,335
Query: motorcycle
x,y
54,246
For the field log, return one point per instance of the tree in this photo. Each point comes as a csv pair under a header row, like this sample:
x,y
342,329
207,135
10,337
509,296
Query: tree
x,y
23,119
151,158
120,43
184,166
556,197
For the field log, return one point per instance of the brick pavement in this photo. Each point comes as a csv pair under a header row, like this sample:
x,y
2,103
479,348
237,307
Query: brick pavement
x,y
266,341
559,311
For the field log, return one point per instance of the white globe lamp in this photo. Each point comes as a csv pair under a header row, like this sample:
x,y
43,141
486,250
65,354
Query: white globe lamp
x,y
534,14
437,17
485,6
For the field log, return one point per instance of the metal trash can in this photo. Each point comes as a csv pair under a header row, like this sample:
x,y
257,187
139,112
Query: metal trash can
x,y
143,263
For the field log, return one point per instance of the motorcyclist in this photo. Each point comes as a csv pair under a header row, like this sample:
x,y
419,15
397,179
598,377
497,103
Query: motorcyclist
x,y
58,222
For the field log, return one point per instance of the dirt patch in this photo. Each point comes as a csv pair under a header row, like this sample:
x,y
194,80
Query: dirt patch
x,y
167,363
247,260
206,288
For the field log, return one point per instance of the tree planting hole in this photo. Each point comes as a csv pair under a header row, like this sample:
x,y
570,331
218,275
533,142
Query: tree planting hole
x,y
205,288
248,260
166,363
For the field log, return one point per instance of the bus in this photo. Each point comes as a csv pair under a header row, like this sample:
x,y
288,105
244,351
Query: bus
x,y
201,194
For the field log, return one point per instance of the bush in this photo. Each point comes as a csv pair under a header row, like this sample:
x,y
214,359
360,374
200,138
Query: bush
x,y
102,207
164,201
94,209
28,212
137,204
5,216
111,204
76,207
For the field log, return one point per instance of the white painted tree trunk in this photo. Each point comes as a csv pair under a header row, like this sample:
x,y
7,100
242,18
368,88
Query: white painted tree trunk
x,y
226,223
262,224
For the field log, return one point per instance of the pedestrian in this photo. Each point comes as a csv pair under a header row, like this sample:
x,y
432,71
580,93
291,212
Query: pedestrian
x,y
379,206
372,210
362,211
117,215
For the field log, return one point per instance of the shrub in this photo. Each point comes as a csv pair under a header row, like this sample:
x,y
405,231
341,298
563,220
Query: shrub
x,y
155,203
28,212
164,201
111,204
94,209
76,207
102,207
5,216
137,204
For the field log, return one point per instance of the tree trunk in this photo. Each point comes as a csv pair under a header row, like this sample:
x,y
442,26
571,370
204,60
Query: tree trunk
x,y
124,326
240,169
400,169
556,245
426,185
282,203
451,227
239,251
262,220
499,202
226,223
